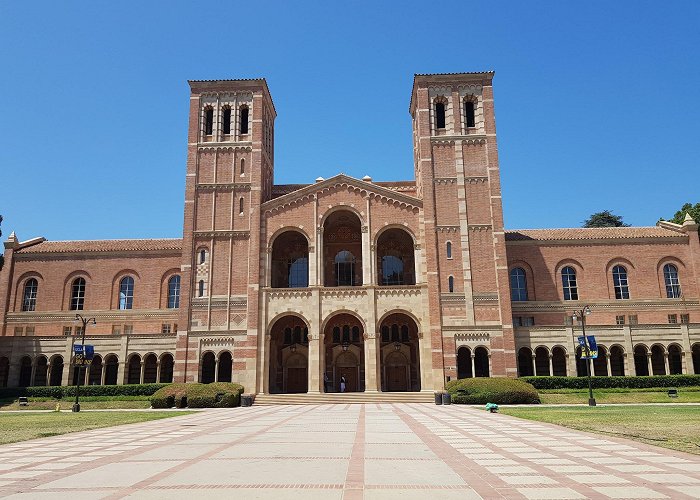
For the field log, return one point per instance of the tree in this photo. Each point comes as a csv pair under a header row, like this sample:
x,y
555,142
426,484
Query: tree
x,y
604,219
693,210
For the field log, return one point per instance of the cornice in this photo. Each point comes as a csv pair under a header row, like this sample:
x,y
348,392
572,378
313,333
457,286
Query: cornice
x,y
560,306
220,233
100,315
452,298
648,240
446,229
469,140
224,186
219,302
210,147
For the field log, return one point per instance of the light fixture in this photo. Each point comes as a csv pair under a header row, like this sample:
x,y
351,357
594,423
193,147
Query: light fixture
x,y
397,346
345,346
293,348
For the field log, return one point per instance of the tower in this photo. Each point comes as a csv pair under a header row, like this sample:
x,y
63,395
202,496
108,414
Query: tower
x,y
230,169
457,175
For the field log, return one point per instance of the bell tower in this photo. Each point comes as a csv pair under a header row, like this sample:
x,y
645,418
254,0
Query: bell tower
x,y
230,170
457,174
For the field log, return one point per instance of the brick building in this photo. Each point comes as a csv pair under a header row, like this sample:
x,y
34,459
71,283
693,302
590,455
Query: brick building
x,y
393,286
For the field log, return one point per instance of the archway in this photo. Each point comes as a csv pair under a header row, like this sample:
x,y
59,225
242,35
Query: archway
x,y
696,359
111,369
464,363
559,362
344,353
208,368
600,364
675,362
95,373
658,364
395,258
581,369
342,249
4,371
56,371
150,369
166,368
290,261
617,361
40,371
525,362
25,371
399,353
481,362
289,353
133,375
225,367
542,362
641,364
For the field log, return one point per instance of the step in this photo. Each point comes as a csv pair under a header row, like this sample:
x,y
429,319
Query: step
x,y
346,398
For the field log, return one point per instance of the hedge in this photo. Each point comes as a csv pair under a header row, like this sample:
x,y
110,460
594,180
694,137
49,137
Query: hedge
x,y
641,382
498,390
59,392
217,395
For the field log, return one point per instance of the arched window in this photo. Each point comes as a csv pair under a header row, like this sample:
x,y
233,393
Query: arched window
x,y
174,292
518,284
240,206
392,270
202,256
29,300
469,107
622,289
242,166
208,121
200,288
227,120
451,283
673,286
244,120
344,268
126,292
568,279
77,296
448,246
440,115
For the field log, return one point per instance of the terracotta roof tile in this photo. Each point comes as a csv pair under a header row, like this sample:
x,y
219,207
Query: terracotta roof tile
x,y
104,246
595,233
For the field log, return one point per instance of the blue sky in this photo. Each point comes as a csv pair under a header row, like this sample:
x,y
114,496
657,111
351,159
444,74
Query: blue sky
x,y
597,103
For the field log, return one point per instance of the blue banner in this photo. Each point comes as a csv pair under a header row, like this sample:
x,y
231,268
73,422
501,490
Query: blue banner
x,y
592,347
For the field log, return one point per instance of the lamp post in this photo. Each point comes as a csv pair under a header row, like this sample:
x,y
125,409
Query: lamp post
x,y
86,322
582,316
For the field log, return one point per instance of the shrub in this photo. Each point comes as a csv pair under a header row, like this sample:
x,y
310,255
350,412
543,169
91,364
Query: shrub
x,y
613,382
499,390
217,395
59,392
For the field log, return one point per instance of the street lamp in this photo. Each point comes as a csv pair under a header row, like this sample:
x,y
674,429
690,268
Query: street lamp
x,y
581,315
86,322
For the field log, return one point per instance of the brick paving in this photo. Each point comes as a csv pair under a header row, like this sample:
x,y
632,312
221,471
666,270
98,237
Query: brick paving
x,y
343,451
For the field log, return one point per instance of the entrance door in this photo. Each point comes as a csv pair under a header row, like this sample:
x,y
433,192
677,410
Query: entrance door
x,y
296,380
350,374
397,378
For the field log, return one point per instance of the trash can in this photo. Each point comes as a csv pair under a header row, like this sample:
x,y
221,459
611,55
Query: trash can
x,y
446,398
246,400
438,398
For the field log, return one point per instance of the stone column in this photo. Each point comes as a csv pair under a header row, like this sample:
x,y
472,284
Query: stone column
x,y
473,356
322,360
490,367
534,365
607,361
314,367
551,365
367,277
684,363
320,271
143,371
371,366
216,369
32,380
266,365
651,372
666,366
157,371
104,371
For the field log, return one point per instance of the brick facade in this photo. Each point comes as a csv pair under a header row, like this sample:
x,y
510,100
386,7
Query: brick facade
x,y
385,286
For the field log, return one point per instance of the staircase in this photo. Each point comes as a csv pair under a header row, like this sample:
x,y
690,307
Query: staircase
x,y
344,398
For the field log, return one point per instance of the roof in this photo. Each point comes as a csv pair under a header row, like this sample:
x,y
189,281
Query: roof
x,y
443,76
594,233
93,246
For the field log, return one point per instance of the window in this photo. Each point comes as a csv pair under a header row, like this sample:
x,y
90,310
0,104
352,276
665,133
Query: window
x,y
67,331
392,270
174,292
244,120
128,329
200,288
79,330
242,166
518,284
227,121
19,331
469,107
208,121
568,278
673,286
620,319
298,272
622,290
29,300
240,206
449,249
451,284
633,319
672,319
202,256
126,293
116,330
568,320
165,328
685,319
344,268
440,115
29,330
528,321
77,297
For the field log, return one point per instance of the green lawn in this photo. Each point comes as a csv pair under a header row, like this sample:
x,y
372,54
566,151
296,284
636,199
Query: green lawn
x,y
86,403
675,427
23,426
656,395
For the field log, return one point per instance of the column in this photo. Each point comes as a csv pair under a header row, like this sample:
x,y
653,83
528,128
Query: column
x,y
684,363
320,274
367,277
143,370
266,365
322,360
314,367
490,367
33,379
607,361
473,356
102,375
534,365
157,371
551,366
371,365
651,372
666,367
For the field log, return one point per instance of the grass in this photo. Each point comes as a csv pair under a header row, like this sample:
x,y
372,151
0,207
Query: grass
x,y
674,427
86,403
652,395
23,426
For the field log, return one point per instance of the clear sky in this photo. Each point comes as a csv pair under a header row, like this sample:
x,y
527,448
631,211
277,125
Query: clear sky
x,y
597,103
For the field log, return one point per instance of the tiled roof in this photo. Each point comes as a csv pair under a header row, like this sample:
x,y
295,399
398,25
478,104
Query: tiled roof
x,y
595,233
103,246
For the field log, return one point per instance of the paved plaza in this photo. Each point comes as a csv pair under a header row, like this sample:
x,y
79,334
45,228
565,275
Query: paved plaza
x,y
368,451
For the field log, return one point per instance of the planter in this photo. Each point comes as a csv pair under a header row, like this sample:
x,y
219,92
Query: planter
x,y
438,398
446,398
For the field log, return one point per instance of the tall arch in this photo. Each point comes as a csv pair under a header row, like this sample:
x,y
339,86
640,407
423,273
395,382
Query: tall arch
x,y
56,370
542,362
150,369
464,363
25,371
288,355
617,361
208,368
641,362
95,371
166,368
343,345
224,367
41,370
342,249
133,375
525,368
4,371
600,364
658,363
111,369
481,362
696,358
395,258
559,368
290,260
675,359
399,353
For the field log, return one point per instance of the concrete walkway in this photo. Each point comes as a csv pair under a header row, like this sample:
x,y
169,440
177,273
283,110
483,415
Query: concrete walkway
x,y
406,451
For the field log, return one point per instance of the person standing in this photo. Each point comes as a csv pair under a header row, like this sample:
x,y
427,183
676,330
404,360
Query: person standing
x,y
342,383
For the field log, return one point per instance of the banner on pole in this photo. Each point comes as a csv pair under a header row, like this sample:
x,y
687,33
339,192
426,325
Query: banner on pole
x,y
592,347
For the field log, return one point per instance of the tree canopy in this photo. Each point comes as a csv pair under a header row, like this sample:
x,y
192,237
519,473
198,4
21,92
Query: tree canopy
x,y
604,219
687,208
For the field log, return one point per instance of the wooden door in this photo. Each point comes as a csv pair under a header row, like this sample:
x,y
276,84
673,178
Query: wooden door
x,y
396,378
296,380
350,374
